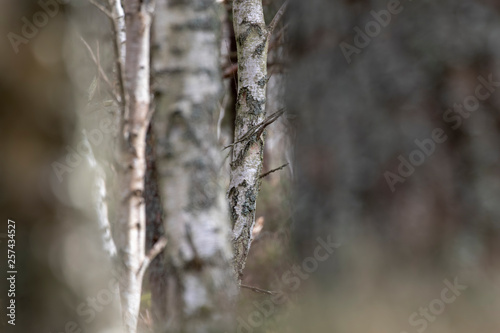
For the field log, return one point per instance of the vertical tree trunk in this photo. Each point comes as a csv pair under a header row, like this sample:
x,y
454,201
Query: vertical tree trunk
x,y
201,285
120,37
252,41
131,218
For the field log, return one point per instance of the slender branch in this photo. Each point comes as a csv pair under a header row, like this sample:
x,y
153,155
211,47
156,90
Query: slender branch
x,y
277,18
259,128
230,70
252,45
275,43
273,170
101,8
101,71
152,253
258,290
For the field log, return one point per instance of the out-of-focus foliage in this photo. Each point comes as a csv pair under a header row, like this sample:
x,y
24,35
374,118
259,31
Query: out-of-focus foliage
x,y
359,116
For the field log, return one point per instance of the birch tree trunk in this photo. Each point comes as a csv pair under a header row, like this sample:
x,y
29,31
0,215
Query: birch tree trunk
x,y
131,217
99,197
246,165
120,36
201,286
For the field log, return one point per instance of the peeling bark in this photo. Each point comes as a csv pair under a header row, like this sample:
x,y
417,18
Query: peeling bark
x,y
201,286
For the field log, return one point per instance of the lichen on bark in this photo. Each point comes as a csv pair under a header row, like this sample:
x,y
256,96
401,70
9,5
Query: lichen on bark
x,y
246,164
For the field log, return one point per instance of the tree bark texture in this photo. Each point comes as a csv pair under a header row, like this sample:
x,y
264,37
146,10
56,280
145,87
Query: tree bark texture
x,y
201,285
246,164
131,217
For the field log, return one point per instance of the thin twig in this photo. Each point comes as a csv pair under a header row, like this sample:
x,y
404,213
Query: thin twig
x,y
101,71
273,170
275,42
259,128
277,18
101,8
258,290
230,70
98,53
152,253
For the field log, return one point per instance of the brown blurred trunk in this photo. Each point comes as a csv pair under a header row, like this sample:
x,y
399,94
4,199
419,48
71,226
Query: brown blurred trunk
x,y
157,271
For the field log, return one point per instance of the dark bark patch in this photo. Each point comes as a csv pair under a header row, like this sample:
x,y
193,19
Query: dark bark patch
x,y
259,49
233,196
262,82
198,24
203,188
251,27
255,106
194,265
239,159
249,204
177,51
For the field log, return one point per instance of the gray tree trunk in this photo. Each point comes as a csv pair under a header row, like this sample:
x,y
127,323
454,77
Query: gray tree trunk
x,y
201,286
246,164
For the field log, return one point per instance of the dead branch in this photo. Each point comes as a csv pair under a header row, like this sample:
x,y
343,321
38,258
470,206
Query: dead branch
x,y
259,128
258,290
101,8
273,170
277,18
101,71
152,253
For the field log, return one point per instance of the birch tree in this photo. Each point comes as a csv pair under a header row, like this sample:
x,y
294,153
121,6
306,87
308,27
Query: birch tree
x,y
252,37
201,286
131,25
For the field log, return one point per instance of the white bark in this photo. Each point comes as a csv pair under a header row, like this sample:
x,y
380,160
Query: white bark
x,y
201,285
252,42
100,201
118,21
131,217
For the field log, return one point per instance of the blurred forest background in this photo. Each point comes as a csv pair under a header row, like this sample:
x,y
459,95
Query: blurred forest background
x,y
383,217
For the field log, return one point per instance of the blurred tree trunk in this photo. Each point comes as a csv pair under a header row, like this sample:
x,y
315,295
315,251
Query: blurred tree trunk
x,y
34,131
364,117
58,259
100,201
200,283
359,117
